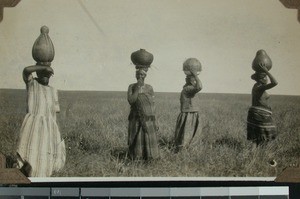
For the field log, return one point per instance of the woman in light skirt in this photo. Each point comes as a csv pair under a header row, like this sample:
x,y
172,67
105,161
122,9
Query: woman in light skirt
x,y
40,149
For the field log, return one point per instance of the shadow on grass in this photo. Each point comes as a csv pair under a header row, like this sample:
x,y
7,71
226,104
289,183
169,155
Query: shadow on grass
x,y
167,143
120,153
11,161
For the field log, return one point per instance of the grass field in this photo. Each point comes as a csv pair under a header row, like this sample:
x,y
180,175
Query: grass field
x,y
94,126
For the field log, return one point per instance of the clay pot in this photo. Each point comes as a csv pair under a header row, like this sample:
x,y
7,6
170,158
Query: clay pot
x,y
141,58
191,64
261,58
43,49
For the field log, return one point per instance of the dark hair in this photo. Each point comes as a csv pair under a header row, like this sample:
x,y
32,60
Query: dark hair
x,y
43,73
258,75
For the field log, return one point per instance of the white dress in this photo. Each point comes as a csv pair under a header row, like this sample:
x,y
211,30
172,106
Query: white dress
x,y
40,142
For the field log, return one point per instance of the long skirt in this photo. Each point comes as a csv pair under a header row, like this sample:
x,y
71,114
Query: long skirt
x,y
186,129
260,125
142,139
41,146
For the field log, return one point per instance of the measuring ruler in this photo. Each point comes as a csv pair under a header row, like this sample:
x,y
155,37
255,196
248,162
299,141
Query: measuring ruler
x,y
275,192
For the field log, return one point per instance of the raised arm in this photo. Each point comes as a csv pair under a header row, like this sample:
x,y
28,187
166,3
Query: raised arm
x,y
198,86
273,81
132,93
30,69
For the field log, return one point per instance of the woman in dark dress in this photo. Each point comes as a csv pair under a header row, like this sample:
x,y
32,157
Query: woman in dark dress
x,y
142,130
260,125
188,119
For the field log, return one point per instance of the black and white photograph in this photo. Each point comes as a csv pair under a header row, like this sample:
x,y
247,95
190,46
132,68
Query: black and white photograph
x,y
132,89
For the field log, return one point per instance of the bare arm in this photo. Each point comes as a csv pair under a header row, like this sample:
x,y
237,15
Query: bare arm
x,y
273,81
198,86
30,69
132,93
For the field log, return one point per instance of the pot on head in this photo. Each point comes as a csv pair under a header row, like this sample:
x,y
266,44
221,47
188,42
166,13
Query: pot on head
x,y
141,58
192,64
43,49
261,58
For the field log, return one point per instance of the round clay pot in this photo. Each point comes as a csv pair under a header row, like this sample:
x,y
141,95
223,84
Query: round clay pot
x,y
142,58
43,49
191,64
261,58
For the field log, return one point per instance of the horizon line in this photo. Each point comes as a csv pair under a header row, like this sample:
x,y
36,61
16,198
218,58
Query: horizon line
x,y
230,93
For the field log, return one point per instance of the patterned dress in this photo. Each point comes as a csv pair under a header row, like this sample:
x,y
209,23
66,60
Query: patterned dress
x,y
40,142
142,137
260,125
188,120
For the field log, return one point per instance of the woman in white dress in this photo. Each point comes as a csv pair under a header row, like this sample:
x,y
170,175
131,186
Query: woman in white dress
x,y
40,145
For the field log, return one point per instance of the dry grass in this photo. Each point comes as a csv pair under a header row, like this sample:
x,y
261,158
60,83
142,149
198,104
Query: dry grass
x,y
94,126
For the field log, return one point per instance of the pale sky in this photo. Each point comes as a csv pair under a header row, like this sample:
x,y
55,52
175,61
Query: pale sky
x,y
94,39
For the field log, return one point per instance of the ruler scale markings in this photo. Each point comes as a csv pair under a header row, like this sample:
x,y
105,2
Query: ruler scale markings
x,y
184,191
275,192
125,192
214,191
124,197
272,191
153,192
91,193
64,192
185,197
273,197
243,191
244,197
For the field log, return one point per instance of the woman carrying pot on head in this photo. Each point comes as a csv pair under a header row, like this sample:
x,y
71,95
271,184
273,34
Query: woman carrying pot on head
x,y
40,150
188,120
142,130
260,125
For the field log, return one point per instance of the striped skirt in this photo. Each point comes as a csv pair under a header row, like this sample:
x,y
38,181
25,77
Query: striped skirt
x,y
41,146
142,138
186,129
260,125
